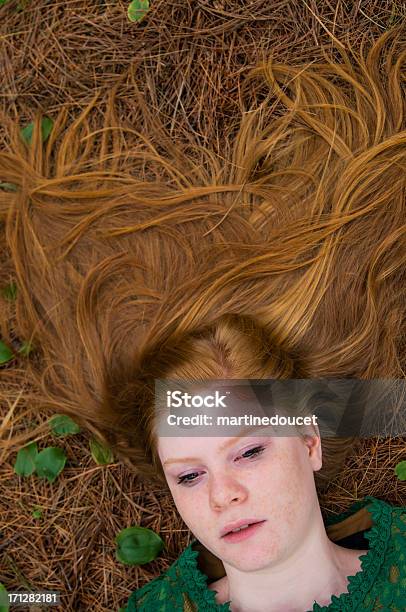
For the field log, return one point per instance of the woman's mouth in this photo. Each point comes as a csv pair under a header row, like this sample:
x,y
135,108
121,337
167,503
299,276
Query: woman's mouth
x,y
242,533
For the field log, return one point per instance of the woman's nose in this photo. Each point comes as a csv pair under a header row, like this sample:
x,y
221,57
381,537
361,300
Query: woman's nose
x,y
225,490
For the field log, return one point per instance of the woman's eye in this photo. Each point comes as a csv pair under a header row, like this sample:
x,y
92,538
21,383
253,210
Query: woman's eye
x,y
252,452
187,478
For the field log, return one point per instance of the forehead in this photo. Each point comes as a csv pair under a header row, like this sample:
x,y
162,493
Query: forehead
x,y
178,446
204,446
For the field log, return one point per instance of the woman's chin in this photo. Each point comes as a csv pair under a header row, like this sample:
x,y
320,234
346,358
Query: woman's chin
x,y
249,564
248,558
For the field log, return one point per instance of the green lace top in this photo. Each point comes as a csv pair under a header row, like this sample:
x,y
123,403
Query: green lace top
x,y
379,585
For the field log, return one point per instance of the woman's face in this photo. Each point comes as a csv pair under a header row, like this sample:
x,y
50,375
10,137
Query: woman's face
x,y
217,483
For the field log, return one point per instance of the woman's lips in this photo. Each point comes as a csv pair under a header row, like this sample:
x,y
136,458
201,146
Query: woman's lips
x,y
238,536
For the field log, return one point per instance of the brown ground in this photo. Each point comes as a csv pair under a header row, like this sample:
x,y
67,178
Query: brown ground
x,y
188,58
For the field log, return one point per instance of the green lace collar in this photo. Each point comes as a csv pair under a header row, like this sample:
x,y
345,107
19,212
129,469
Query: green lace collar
x,y
358,585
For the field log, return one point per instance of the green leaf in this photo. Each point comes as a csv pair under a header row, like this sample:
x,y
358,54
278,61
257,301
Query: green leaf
x,y
3,2
8,186
100,452
4,604
37,514
25,461
46,128
400,470
63,425
137,10
6,354
50,462
137,545
10,291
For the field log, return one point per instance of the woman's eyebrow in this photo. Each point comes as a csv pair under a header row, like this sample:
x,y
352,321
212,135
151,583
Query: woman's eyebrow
x,y
180,460
229,442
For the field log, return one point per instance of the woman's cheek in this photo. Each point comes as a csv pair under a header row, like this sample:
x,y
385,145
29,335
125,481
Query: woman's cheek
x,y
188,503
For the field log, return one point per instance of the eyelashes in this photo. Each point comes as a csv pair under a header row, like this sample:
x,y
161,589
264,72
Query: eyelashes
x,y
251,453
257,450
187,478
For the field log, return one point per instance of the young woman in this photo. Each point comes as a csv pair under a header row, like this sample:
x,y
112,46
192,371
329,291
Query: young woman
x,y
281,557
280,256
